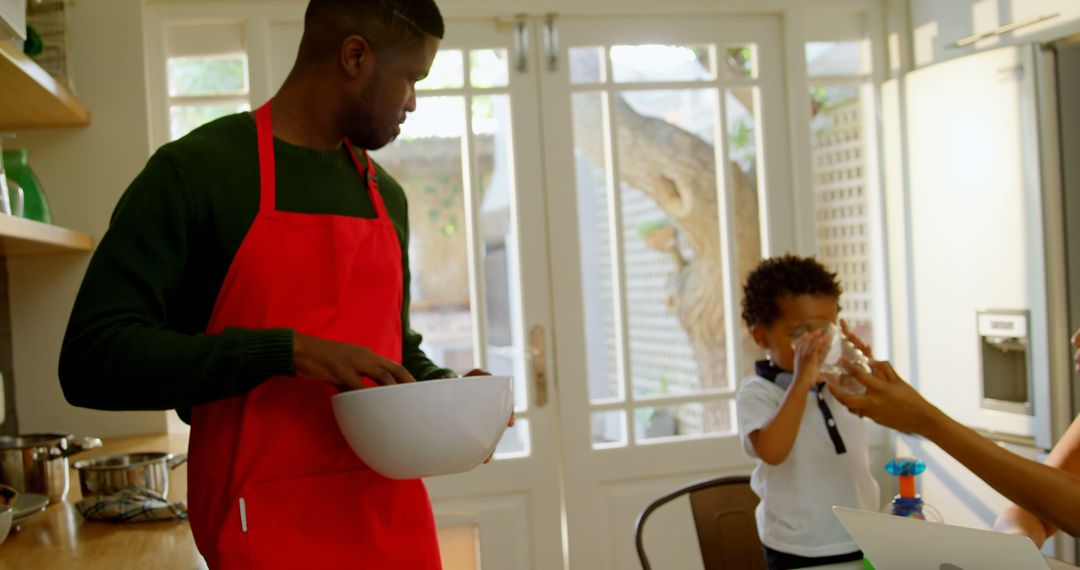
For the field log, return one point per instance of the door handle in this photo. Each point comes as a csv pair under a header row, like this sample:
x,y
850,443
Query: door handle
x,y
521,44
539,365
551,43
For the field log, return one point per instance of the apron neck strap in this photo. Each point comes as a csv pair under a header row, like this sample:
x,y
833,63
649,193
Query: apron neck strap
x,y
267,174
368,174
265,133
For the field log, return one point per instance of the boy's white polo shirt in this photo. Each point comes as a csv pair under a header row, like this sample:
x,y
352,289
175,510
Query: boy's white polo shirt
x,y
795,513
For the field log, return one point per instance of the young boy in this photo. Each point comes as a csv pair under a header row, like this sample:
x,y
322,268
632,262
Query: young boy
x,y
811,451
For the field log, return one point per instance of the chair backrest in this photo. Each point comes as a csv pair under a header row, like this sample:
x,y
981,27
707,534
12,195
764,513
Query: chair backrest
x,y
724,518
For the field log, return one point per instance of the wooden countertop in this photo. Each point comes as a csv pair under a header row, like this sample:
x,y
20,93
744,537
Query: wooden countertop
x,y
60,538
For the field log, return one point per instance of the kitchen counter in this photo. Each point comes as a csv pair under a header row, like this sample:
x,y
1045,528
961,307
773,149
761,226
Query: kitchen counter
x,y
60,538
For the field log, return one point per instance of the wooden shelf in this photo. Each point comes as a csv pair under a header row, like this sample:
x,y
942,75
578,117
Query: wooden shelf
x,y
31,98
19,236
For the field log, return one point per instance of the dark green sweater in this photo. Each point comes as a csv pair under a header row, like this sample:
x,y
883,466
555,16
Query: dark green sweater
x,y
136,339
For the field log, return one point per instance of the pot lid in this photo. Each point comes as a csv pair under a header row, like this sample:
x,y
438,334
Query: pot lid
x,y
121,461
34,440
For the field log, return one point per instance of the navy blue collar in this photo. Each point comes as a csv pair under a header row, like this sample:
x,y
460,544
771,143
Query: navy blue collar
x,y
767,370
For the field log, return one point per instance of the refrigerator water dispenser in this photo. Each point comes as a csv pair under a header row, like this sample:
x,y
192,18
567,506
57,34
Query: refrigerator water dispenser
x,y
1006,370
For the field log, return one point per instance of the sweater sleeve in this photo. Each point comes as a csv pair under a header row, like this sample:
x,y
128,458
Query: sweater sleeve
x,y
120,351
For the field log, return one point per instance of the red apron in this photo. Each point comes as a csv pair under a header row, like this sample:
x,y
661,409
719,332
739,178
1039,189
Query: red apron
x,y
272,482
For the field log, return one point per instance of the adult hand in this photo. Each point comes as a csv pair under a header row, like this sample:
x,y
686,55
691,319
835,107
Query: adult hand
x,y
889,400
1076,345
854,339
343,364
479,372
510,422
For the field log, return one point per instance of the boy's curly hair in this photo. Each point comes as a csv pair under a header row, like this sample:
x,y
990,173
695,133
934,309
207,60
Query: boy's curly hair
x,y
779,276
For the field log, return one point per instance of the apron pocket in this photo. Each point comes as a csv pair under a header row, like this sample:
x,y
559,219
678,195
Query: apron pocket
x,y
353,519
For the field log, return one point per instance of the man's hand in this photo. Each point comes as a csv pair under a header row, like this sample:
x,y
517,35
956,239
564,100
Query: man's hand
x,y
343,364
479,372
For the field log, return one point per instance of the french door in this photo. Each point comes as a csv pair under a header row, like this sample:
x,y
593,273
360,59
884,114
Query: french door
x,y
661,139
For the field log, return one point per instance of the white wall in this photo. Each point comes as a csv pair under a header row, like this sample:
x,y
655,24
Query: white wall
x,y
83,172
936,24
919,32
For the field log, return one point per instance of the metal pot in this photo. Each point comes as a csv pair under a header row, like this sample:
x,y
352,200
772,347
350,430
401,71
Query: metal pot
x,y
111,473
38,463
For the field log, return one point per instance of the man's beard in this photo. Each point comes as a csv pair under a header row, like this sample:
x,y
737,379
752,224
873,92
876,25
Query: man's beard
x,y
361,124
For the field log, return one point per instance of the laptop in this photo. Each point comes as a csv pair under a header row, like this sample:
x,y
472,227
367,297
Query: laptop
x,y
897,543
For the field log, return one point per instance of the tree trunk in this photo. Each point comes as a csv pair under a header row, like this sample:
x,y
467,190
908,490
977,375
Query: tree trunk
x,y
678,170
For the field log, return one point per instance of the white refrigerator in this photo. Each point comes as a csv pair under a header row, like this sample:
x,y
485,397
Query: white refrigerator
x,y
993,163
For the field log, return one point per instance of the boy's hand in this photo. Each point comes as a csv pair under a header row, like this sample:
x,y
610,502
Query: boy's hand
x,y
809,352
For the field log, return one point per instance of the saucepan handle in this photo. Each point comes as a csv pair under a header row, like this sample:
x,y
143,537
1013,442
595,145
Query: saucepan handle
x,y
80,444
177,460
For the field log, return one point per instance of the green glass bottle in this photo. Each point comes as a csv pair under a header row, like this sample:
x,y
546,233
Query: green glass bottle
x,y
17,168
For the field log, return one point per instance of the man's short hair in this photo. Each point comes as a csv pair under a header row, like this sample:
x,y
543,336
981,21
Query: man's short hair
x,y
393,23
778,277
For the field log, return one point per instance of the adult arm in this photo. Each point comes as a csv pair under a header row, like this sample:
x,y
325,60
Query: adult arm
x,y
118,351
1016,520
1050,493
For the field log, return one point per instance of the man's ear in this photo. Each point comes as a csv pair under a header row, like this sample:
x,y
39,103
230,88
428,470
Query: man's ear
x,y
357,57
758,333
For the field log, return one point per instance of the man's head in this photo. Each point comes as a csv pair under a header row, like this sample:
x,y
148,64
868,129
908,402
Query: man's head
x,y
373,52
783,293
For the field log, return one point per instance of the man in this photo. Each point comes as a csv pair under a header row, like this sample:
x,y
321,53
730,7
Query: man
x,y
252,270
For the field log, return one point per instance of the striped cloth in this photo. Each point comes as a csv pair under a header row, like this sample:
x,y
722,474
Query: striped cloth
x,y
133,504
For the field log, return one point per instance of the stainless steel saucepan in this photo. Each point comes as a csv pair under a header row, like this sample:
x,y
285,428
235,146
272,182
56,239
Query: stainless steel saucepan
x,y
38,462
111,473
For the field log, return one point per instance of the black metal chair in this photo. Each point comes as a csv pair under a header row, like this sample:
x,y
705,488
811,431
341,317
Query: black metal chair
x,y
724,517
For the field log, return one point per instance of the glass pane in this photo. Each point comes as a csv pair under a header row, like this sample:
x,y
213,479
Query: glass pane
x,y
185,118
739,61
586,65
837,58
667,162
459,544
686,420
663,63
598,289
608,429
426,160
515,441
447,71
744,162
488,68
207,76
840,179
502,284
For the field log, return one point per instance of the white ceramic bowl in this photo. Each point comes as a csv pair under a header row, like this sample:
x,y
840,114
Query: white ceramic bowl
x,y
423,429
5,521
